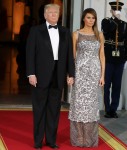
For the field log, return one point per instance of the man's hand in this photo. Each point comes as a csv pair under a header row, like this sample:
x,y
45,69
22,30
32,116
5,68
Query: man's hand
x,y
70,80
33,80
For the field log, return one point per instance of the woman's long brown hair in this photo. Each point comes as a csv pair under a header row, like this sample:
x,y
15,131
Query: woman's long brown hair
x,y
95,26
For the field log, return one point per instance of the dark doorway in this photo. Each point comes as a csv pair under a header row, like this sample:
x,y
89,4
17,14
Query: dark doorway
x,y
14,86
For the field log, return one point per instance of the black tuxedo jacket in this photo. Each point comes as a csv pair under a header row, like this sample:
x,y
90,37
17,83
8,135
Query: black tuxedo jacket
x,y
39,55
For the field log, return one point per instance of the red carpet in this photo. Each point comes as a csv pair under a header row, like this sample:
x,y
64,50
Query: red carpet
x,y
16,128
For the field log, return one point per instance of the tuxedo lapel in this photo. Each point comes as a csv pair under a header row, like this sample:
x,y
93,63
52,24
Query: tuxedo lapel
x,y
61,40
45,34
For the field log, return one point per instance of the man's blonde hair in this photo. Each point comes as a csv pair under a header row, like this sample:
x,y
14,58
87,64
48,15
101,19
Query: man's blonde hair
x,y
51,5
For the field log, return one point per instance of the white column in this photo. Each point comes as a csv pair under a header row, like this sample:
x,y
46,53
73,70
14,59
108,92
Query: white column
x,y
87,4
76,14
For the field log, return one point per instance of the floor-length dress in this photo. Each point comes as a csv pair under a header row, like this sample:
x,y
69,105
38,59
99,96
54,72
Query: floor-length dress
x,y
84,106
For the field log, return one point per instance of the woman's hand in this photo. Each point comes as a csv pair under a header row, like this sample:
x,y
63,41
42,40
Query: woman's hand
x,y
101,82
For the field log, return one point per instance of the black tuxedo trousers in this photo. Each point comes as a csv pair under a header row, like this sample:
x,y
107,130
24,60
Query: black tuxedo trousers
x,y
46,109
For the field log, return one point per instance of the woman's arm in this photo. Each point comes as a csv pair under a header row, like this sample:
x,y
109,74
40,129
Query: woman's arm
x,y
74,43
102,59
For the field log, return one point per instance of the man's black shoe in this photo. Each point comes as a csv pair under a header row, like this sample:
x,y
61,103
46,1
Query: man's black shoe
x,y
53,146
38,147
114,115
107,115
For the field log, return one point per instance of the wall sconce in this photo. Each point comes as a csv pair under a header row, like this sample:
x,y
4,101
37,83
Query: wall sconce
x,y
18,15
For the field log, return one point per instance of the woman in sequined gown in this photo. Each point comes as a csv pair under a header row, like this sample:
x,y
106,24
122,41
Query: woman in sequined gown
x,y
89,75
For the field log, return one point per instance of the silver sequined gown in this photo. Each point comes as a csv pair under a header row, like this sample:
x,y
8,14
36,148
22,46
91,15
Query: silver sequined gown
x,y
84,106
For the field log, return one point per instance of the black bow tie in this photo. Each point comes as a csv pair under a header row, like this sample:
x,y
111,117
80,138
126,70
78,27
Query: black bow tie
x,y
50,26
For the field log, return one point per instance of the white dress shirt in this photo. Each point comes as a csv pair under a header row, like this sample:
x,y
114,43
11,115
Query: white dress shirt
x,y
54,37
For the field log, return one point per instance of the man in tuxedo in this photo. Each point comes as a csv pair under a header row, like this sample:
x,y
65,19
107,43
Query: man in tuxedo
x,y
115,33
49,56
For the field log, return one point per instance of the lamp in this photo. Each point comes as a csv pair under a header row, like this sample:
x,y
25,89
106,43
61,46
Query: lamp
x,y
18,15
